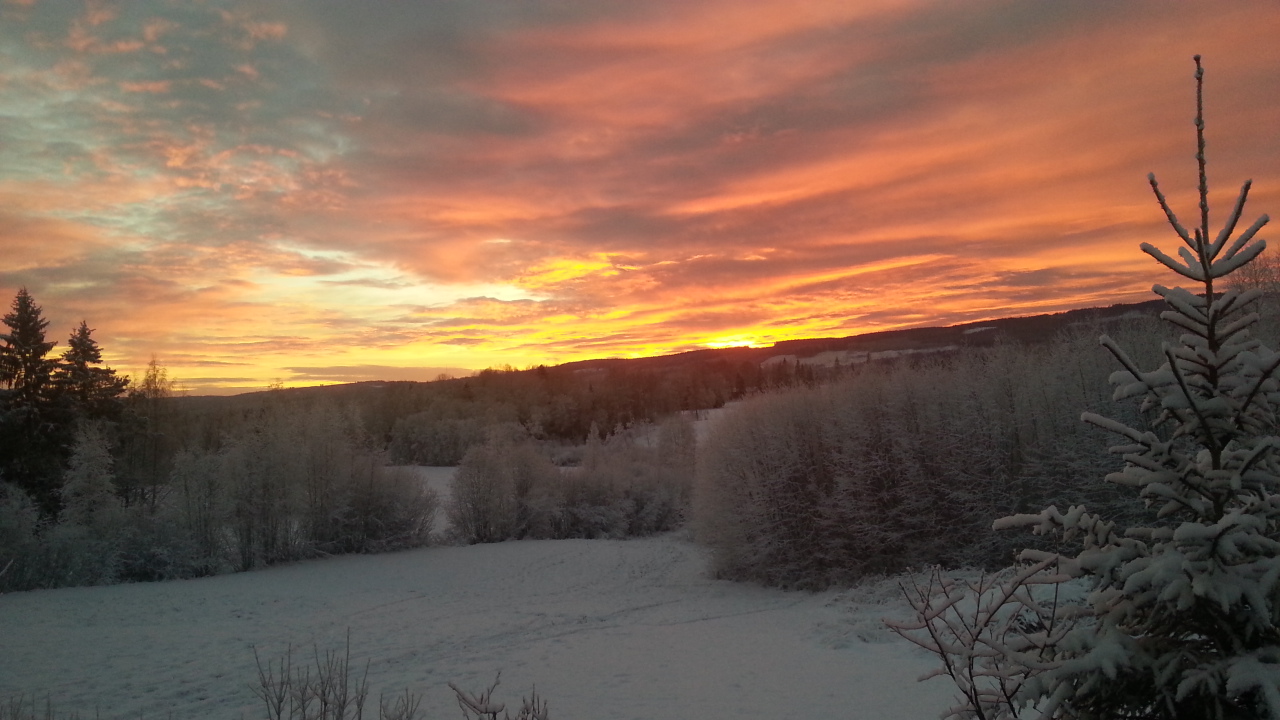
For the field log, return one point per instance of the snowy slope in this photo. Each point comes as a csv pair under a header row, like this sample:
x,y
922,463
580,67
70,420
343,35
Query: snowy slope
x,y
605,629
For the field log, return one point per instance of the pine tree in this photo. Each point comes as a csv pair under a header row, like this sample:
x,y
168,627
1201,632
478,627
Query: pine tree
x,y
92,391
24,367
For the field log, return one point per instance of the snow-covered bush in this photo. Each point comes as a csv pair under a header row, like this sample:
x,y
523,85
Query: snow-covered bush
x,y
38,553
1181,614
328,688
439,435
635,483
19,521
491,497
301,482
289,481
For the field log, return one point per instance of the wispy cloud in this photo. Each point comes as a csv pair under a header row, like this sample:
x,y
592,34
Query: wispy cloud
x,y
322,190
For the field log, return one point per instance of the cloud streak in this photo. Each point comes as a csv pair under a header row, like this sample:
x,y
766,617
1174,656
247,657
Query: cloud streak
x,y
318,190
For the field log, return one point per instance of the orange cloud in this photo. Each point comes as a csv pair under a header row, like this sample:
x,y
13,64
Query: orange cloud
x,y
305,192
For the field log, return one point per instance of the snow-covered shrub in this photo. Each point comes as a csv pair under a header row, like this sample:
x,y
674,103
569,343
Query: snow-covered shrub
x,y
301,482
82,549
1181,614
290,482
635,483
329,688
295,482
765,501
19,521
37,553
491,496
199,505
439,435
385,509
97,540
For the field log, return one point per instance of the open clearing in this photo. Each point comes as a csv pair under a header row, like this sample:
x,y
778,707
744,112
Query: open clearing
x,y
604,629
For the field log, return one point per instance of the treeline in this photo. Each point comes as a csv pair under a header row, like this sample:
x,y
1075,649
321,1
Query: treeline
x,y
107,480
436,423
907,464
103,480
44,399
820,475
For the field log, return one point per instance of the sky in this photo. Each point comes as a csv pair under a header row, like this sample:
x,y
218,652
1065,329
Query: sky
x,y
331,191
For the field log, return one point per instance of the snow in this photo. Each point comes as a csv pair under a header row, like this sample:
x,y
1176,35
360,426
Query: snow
x,y
604,629
437,480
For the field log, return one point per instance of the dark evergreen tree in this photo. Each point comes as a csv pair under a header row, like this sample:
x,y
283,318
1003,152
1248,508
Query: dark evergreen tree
x,y
31,442
90,390
25,368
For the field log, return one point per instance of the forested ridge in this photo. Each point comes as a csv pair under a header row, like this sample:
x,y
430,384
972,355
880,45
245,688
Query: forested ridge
x,y
434,423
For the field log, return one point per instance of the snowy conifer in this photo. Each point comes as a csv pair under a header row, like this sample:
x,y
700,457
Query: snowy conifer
x,y
1181,618
1184,615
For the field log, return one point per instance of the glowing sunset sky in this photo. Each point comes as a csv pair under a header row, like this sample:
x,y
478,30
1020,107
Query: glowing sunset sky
x,y
330,191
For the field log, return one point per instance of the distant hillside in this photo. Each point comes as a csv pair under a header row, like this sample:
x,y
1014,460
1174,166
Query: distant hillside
x,y
1028,329
435,422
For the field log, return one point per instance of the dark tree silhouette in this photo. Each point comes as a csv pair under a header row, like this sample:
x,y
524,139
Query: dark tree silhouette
x,y
30,452
91,390
25,368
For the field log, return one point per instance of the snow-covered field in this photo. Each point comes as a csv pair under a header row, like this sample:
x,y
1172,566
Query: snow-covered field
x,y
604,629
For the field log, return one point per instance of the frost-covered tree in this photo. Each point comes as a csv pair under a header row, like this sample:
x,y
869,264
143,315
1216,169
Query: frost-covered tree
x,y
491,493
1180,617
88,492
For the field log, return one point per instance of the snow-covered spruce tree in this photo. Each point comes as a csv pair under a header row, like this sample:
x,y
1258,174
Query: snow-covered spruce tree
x,y
1180,618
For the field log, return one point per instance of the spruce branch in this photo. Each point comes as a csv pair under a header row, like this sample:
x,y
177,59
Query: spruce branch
x,y
1168,213
1232,220
1266,374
